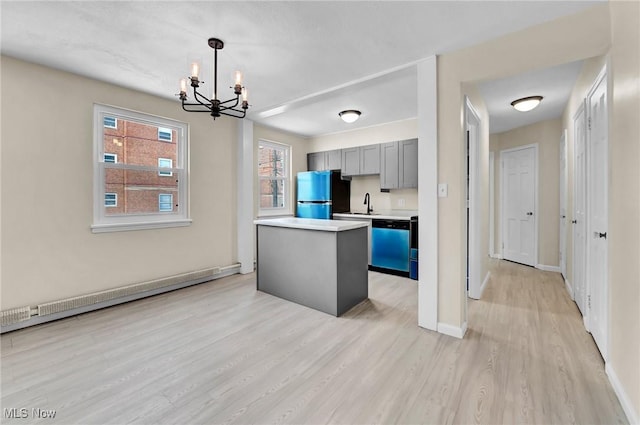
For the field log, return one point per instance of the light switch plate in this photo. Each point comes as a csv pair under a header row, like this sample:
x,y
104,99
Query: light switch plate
x,y
443,190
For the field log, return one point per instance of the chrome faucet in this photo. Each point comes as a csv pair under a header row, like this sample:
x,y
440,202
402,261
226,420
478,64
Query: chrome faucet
x,y
367,202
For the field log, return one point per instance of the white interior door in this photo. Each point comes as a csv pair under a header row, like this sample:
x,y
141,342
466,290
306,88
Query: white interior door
x,y
579,221
563,204
519,231
598,212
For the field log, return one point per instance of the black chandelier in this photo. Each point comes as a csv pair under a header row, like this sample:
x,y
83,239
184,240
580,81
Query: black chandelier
x,y
214,106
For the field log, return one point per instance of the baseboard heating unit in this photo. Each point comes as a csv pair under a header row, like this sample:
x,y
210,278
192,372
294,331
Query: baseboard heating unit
x,y
22,317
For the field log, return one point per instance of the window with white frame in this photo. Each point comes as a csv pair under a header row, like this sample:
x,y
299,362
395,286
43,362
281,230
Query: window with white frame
x,y
139,192
274,177
110,157
165,202
110,200
165,134
110,122
165,163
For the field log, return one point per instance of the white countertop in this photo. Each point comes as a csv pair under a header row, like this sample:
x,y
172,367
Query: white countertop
x,y
382,214
311,224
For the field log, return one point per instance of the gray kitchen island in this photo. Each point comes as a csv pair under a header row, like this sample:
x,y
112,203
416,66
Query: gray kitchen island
x,y
320,264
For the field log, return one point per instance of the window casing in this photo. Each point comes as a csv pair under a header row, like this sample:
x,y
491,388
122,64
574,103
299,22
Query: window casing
x,y
274,177
150,172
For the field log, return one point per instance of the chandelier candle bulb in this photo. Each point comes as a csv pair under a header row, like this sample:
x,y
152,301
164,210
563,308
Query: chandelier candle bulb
x,y
183,85
245,102
195,70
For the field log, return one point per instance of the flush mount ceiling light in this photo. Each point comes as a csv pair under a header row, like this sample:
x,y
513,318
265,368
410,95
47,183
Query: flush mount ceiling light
x,y
213,105
526,103
350,115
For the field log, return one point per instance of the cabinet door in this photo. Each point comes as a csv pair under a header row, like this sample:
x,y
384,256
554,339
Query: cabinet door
x,y
408,163
370,159
389,165
316,161
333,160
351,162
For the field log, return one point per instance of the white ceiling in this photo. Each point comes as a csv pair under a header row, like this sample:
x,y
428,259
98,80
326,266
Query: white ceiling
x,y
303,61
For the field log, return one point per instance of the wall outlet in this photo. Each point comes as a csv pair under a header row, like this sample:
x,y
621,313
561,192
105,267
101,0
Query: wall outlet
x,y
401,202
443,190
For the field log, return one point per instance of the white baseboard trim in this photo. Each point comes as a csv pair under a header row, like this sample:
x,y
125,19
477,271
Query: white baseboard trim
x,y
569,288
496,256
627,406
548,268
453,331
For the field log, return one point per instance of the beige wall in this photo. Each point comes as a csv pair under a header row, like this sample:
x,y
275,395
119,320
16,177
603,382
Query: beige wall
x,y
624,199
403,199
48,249
299,149
546,135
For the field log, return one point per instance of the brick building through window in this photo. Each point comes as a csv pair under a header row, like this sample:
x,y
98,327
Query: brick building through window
x,y
139,191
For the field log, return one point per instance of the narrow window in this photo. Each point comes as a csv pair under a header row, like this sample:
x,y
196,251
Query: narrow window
x,y
165,134
110,122
165,163
273,173
111,157
165,202
110,199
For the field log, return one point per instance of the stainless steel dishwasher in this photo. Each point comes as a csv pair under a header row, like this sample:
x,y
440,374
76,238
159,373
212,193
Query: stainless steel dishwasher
x,y
390,246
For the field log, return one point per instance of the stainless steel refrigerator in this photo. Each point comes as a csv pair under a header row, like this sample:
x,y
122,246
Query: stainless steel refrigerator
x,y
322,193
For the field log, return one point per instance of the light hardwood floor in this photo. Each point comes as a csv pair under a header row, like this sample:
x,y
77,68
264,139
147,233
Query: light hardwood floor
x,y
223,353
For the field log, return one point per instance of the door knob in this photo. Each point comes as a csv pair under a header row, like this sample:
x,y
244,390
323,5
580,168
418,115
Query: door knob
x,y
529,213
600,235
574,221
563,216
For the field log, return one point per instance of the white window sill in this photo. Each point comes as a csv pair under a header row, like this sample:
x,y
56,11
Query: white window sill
x,y
274,213
144,225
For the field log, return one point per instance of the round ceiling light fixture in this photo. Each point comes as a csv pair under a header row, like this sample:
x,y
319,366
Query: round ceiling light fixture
x,y
349,116
526,103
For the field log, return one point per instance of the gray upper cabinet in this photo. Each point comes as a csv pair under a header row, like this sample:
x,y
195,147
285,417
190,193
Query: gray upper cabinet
x,y
320,161
389,165
399,164
333,159
351,161
408,163
369,160
315,161
396,162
